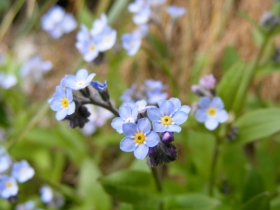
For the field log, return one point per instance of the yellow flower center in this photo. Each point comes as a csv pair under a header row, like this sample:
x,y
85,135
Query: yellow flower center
x,y
166,120
9,184
92,47
211,111
139,138
64,102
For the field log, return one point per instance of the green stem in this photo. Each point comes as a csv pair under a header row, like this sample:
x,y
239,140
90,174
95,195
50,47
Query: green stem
x,y
157,178
213,168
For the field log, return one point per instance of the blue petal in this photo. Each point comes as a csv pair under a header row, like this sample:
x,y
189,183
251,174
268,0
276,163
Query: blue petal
x,y
204,102
117,124
176,102
158,127
201,115
211,124
128,144
89,78
141,151
134,113
61,114
56,104
222,116
179,117
167,108
217,103
82,74
70,81
59,92
129,129
71,108
154,114
69,94
152,139
144,125
173,128
124,112
185,109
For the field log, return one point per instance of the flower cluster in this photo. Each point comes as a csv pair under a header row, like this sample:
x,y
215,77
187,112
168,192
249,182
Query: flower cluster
x,y
145,139
57,22
151,91
210,108
20,172
98,39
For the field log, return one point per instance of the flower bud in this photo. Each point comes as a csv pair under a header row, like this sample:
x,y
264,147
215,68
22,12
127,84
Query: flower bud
x,y
167,137
269,21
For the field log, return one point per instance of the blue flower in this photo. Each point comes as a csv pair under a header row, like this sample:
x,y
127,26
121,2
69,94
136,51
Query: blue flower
x,y
211,112
175,11
80,81
29,205
131,42
127,114
139,138
46,194
99,86
127,95
8,186
22,171
62,102
7,80
168,116
106,39
5,160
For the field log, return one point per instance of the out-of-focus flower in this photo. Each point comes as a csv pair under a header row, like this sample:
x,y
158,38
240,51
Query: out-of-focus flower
x,y
5,160
208,81
131,42
106,39
127,114
22,171
7,80
142,11
175,11
211,112
127,95
46,194
62,102
269,21
167,117
8,186
29,205
56,22
139,138
80,81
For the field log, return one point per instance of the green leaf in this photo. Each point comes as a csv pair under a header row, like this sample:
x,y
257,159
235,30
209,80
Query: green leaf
x,y
130,186
116,10
257,124
93,194
230,57
259,202
190,202
253,185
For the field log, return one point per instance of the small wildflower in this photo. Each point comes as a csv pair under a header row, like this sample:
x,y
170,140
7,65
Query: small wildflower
x,y
131,42
8,186
62,103
175,11
208,81
22,171
29,205
211,112
139,138
46,194
168,116
80,81
127,114
5,160
7,80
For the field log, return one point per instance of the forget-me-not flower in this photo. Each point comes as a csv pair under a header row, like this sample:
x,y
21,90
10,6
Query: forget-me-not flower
x,y
175,11
131,42
8,186
29,205
62,102
168,116
46,194
22,171
139,138
7,80
127,114
211,112
80,81
5,160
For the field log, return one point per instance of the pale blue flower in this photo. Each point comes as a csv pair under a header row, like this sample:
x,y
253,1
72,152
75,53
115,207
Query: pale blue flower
x,y
56,22
126,96
22,171
29,205
106,39
127,114
168,116
7,80
5,160
80,81
8,186
63,103
98,25
131,43
46,194
175,11
142,16
139,138
211,112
